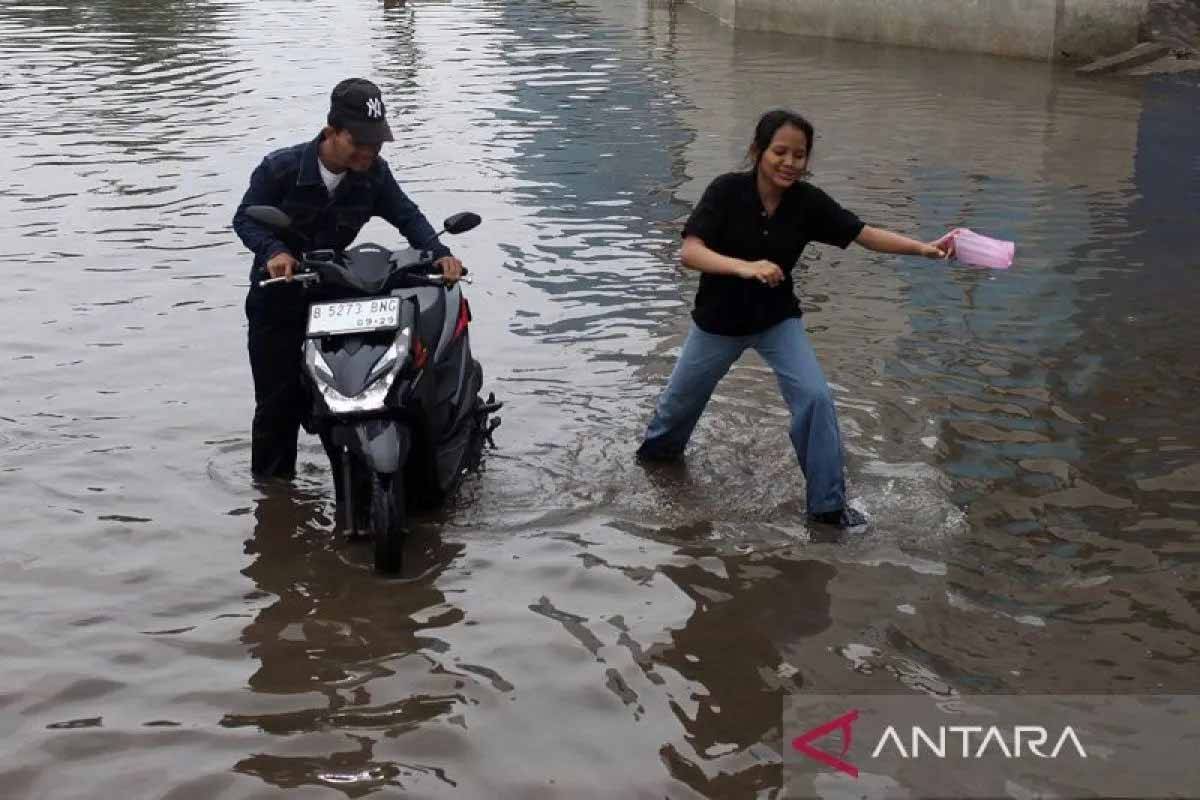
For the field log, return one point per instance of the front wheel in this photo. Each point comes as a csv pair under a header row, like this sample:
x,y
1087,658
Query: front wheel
x,y
388,521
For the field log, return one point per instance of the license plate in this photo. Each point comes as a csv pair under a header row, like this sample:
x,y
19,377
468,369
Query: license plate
x,y
354,316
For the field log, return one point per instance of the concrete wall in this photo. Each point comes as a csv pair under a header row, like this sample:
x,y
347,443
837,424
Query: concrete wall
x,y
1046,30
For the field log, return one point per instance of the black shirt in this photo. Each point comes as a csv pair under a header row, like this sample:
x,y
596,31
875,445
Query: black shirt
x,y
730,219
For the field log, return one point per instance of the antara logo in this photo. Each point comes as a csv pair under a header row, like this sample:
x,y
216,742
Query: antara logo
x,y
845,724
990,739
976,741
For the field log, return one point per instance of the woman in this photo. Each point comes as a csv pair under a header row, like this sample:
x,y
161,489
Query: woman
x,y
745,236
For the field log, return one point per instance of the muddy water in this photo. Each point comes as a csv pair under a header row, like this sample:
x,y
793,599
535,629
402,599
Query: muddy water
x,y
1025,441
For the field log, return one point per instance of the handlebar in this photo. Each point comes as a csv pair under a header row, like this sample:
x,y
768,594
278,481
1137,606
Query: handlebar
x,y
434,278
303,277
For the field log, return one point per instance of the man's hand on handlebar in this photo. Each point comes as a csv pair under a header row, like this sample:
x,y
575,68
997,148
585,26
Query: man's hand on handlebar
x,y
451,267
282,265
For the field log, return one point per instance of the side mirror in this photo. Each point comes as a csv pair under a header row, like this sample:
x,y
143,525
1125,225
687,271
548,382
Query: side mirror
x,y
460,222
270,216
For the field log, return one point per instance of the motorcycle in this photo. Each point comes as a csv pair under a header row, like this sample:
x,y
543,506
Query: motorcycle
x,y
395,388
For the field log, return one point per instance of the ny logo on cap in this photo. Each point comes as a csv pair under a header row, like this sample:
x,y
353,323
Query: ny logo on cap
x,y
375,108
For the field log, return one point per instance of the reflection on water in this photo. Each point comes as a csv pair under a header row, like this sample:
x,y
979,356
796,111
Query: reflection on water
x,y
576,626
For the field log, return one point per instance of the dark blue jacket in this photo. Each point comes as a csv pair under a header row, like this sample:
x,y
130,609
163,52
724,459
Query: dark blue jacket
x,y
290,179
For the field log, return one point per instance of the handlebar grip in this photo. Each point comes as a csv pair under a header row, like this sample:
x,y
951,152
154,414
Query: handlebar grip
x,y
438,279
298,277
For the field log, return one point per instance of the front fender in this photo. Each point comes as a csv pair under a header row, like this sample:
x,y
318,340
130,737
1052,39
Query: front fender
x,y
382,444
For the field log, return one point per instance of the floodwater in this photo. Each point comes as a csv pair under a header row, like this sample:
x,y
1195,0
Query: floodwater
x,y
1027,442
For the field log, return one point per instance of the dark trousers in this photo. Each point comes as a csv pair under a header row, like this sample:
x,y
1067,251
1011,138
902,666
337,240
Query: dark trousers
x,y
276,317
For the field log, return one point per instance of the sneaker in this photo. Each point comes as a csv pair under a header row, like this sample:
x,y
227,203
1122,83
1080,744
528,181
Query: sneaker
x,y
844,518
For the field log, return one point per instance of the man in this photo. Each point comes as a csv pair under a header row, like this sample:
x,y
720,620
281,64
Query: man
x,y
329,187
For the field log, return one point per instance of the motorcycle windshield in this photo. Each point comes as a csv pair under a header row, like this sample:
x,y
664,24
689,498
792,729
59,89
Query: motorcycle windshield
x,y
367,269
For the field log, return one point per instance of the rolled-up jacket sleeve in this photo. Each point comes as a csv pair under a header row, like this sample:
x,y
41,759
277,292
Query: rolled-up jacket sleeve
x,y
394,205
264,191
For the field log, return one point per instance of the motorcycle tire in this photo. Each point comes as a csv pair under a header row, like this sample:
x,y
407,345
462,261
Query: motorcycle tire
x,y
388,521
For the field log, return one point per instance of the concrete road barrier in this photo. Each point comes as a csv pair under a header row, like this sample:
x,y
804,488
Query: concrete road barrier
x,y
1046,30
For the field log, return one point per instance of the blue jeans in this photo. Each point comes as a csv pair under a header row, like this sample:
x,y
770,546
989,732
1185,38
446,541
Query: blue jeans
x,y
705,359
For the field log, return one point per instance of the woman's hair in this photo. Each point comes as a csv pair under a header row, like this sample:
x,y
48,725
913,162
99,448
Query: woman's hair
x,y
771,122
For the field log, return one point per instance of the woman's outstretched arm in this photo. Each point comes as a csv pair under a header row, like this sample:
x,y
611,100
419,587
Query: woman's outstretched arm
x,y
882,241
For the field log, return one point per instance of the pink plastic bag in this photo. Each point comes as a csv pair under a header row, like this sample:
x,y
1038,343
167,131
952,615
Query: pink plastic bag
x,y
979,251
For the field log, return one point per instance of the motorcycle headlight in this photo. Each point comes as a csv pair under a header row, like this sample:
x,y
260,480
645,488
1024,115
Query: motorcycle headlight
x,y
396,353
379,380
316,361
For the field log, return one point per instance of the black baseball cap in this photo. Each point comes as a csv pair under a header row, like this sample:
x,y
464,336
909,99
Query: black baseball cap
x,y
356,105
